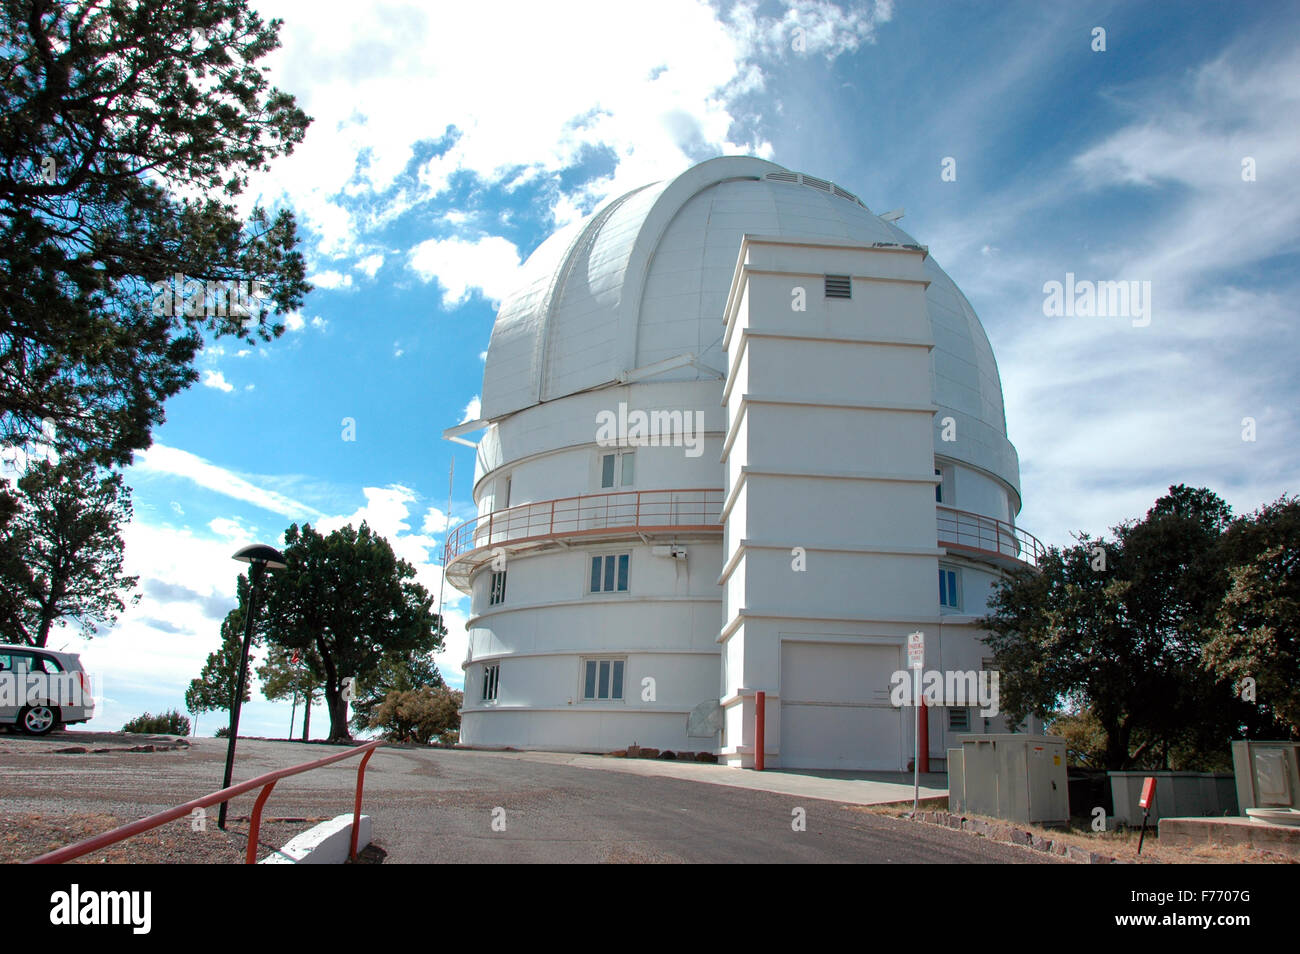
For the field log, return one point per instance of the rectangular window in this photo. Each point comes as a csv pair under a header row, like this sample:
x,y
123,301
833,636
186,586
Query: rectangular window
x,y
948,595
617,470
938,487
498,594
609,573
602,679
959,719
491,681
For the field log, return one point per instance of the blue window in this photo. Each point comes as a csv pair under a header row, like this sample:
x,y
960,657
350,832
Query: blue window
x,y
948,588
602,679
609,573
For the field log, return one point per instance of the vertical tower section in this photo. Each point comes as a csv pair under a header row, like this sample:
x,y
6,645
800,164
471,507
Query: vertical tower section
x,y
829,543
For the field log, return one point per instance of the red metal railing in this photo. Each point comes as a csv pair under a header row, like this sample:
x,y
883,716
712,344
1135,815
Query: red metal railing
x,y
973,531
630,510
694,509
266,782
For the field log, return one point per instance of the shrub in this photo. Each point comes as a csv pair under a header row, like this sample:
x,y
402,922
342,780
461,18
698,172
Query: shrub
x,y
165,723
421,715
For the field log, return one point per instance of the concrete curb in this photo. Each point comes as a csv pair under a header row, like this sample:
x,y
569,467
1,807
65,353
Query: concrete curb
x,y
325,844
1007,834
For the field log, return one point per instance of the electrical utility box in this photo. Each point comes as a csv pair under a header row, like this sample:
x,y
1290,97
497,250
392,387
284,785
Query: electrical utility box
x,y
1268,774
1013,776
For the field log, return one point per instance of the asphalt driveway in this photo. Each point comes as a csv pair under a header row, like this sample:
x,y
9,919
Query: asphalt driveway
x,y
449,806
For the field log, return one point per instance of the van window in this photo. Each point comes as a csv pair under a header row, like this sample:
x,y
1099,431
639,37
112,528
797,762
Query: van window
x,y
45,664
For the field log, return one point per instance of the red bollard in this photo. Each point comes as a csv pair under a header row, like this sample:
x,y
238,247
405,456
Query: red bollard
x,y
923,749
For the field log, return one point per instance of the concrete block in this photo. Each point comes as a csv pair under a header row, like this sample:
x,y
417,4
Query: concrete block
x,y
326,844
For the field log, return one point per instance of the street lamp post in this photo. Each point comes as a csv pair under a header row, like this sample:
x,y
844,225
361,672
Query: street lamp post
x,y
261,558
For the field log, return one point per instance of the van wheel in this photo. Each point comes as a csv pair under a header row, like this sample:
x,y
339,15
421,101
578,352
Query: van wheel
x,y
38,720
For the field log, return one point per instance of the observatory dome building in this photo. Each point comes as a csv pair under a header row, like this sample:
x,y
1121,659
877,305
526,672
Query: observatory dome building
x,y
735,427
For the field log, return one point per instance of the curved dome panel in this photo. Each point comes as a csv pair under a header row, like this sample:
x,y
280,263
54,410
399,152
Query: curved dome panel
x,y
645,279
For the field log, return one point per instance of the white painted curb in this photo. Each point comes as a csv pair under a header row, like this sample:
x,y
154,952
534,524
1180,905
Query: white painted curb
x,y
326,844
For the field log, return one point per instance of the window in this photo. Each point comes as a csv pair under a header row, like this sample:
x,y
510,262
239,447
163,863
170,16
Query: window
x,y
943,492
491,682
959,719
949,595
839,286
602,679
498,593
617,470
609,572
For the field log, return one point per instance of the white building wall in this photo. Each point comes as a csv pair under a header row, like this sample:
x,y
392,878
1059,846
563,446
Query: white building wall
x,y
836,458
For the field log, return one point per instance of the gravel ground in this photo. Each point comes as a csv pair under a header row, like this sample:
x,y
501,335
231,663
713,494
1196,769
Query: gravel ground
x,y
117,767
23,837
452,806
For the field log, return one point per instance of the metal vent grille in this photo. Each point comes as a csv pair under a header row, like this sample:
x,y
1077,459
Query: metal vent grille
x,y
817,183
839,286
783,176
843,195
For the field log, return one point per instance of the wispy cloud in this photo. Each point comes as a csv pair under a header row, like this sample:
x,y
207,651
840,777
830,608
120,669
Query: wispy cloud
x,y
173,462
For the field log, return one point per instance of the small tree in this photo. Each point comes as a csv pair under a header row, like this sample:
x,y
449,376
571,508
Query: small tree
x,y
215,688
63,551
1254,639
348,597
290,674
397,672
422,715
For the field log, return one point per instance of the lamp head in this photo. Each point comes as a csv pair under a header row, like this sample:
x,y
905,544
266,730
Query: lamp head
x,y
259,554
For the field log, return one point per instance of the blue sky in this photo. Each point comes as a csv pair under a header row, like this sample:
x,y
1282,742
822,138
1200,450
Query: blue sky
x,y
446,147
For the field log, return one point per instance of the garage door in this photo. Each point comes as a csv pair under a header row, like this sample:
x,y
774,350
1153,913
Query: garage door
x,y
835,711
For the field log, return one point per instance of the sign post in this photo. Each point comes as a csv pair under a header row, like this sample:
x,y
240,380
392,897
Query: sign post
x,y
1144,803
915,662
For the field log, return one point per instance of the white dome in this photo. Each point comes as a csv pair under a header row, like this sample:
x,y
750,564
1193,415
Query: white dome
x,y
645,279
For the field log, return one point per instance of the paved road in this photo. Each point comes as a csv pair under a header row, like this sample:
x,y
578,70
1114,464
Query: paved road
x,y
439,806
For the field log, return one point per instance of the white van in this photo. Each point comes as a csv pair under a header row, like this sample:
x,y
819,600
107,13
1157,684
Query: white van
x,y
41,689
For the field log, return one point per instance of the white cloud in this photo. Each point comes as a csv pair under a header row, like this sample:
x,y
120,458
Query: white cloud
x,y
655,96
370,264
330,280
489,263
171,461
297,321
215,379
232,529
472,410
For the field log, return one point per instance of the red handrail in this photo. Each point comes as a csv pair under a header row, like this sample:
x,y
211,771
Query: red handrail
x,y
266,782
695,507
975,531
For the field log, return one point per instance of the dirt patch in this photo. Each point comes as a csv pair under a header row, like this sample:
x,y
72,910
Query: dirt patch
x,y
27,836
1119,845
